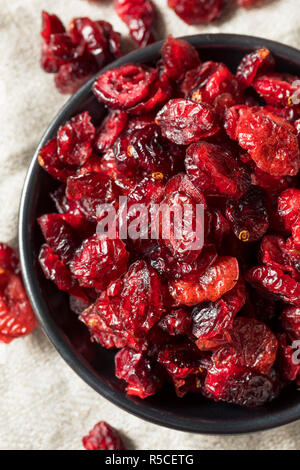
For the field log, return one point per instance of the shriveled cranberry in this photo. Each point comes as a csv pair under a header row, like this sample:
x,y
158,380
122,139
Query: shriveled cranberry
x,y
277,89
290,321
16,315
238,386
248,216
184,122
9,259
253,346
278,253
92,190
177,322
103,437
197,11
48,159
178,57
59,235
51,24
180,360
257,61
144,151
125,86
270,140
208,81
110,129
74,74
139,16
289,210
99,261
213,321
142,377
108,166
75,140
274,281
216,171
221,277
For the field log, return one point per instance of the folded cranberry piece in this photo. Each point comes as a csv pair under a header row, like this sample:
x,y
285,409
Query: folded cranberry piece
x,y
270,140
221,277
99,261
142,376
178,57
197,11
103,437
184,122
289,211
139,16
215,170
257,61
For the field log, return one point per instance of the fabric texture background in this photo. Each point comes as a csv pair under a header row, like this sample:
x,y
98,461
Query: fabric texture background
x,y
44,404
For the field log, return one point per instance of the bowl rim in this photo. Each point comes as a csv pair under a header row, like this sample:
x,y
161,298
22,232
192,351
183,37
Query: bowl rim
x,y
57,338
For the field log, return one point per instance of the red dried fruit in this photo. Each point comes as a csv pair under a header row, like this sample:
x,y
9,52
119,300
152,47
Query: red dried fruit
x,y
56,271
274,281
290,321
248,216
125,86
278,253
139,16
92,190
257,61
270,140
177,322
9,259
48,159
179,221
213,321
144,151
74,74
277,89
253,346
215,170
178,57
287,365
51,24
59,235
180,360
103,437
143,378
99,261
221,277
16,316
184,122
289,210
75,140
238,386
110,129
124,183
198,11
208,81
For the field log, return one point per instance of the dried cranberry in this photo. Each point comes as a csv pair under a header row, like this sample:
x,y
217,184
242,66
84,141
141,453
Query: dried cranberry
x,y
142,377
48,159
290,321
9,259
277,89
248,216
289,210
139,16
178,57
75,140
274,281
110,130
215,171
103,437
74,74
16,316
177,322
184,122
51,24
221,277
124,87
270,140
99,261
257,61
278,253
197,11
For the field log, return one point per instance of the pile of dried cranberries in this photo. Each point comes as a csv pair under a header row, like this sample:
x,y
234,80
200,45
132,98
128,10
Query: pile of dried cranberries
x,y
221,319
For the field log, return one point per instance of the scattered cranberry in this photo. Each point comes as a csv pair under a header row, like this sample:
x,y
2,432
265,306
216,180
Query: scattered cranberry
x,y
217,318
77,54
139,16
103,437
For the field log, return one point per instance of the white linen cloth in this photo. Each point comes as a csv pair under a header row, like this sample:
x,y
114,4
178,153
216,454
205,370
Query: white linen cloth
x,y
44,404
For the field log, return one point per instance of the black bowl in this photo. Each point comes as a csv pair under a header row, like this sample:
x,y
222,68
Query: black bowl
x,y
93,363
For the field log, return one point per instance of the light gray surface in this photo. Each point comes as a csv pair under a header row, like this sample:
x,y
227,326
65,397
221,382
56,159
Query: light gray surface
x,y
44,405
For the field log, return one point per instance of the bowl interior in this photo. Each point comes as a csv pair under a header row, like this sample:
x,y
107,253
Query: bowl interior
x,y
92,362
